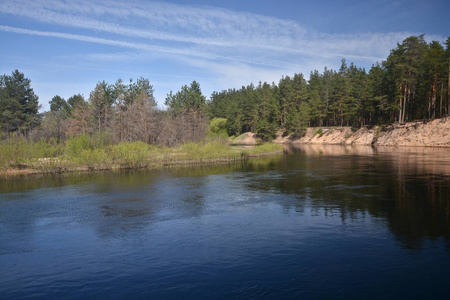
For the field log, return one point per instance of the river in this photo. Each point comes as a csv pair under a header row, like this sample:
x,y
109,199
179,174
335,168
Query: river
x,y
315,222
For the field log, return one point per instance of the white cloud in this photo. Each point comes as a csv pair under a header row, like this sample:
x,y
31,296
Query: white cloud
x,y
221,31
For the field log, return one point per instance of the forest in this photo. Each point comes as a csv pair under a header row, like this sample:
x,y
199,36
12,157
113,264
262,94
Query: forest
x,y
412,83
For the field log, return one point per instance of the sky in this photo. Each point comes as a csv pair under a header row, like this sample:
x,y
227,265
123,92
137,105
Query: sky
x,y
66,47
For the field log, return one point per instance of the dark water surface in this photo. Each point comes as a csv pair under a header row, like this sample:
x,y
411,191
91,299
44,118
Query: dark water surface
x,y
314,223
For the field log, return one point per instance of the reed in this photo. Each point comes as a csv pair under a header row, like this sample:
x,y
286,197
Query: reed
x,y
96,153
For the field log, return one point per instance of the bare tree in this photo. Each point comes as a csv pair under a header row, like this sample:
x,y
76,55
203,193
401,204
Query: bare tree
x,y
138,120
179,128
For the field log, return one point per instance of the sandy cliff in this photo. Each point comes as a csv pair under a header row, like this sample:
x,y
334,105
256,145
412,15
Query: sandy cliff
x,y
434,133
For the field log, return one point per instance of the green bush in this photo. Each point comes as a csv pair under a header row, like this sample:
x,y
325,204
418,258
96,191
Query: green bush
x,y
17,151
319,132
217,129
47,149
13,151
131,153
75,145
91,157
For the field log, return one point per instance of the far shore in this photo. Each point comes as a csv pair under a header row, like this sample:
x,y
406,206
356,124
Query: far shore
x,y
435,133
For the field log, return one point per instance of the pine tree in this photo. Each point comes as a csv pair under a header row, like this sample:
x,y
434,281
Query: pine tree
x,y
19,105
188,99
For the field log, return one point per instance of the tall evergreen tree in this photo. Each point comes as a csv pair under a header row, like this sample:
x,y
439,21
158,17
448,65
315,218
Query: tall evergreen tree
x,y
188,99
19,106
447,51
266,112
378,109
434,69
75,101
59,104
101,100
299,95
407,60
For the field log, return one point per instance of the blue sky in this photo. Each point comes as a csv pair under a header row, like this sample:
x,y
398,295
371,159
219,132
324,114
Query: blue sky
x,y
66,47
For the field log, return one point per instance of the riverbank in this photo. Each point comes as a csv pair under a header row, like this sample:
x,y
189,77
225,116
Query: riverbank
x,y
19,157
435,133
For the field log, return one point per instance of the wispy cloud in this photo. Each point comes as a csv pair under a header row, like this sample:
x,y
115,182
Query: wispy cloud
x,y
218,30
97,40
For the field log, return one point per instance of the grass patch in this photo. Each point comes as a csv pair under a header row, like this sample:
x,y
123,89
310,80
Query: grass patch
x,y
95,153
267,148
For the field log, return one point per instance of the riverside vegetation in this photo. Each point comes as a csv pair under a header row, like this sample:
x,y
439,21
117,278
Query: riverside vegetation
x,y
85,152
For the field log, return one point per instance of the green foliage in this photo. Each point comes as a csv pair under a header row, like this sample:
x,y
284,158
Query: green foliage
x,y
92,157
59,104
131,153
188,99
13,151
412,83
17,151
265,130
101,100
19,105
217,128
266,148
94,153
47,148
75,145
126,95
318,132
75,101
378,131
215,150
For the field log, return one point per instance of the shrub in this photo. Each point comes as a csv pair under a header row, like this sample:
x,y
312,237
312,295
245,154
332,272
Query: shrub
x,y
131,153
319,132
217,129
13,151
92,157
75,145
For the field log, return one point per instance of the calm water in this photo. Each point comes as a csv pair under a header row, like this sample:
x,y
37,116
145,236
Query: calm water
x,y
316,222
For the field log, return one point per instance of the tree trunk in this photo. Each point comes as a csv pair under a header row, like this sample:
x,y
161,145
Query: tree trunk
x,y
433,97
440,106
429,106
405,113
120,124
448,90
106,117
401,107
404,102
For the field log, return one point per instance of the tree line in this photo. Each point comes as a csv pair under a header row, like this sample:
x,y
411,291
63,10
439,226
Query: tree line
x,y
120,111
412,83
